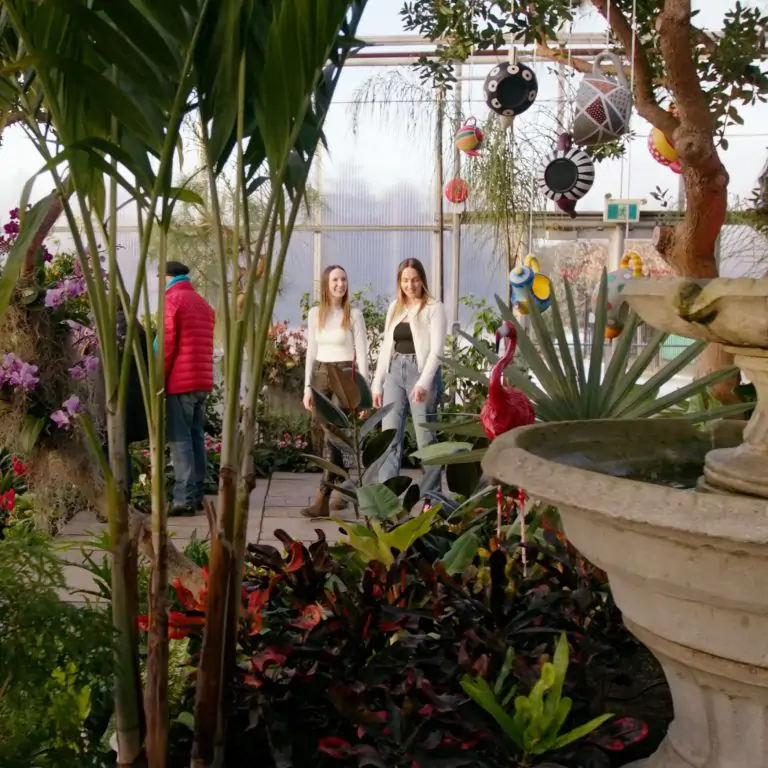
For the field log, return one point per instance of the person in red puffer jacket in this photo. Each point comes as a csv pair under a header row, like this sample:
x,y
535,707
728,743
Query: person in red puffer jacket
x,y
189,327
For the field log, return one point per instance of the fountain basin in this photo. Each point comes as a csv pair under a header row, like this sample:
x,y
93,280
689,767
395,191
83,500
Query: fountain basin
x,y
688,570
733,312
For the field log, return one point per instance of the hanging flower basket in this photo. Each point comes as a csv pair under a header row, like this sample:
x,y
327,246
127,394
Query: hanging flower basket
x,y
567,175
510,89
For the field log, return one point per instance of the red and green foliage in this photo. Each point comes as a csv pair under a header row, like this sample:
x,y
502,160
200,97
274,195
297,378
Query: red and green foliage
x,y
367,659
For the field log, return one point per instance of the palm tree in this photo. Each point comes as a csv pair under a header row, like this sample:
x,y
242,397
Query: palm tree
x,y
118,83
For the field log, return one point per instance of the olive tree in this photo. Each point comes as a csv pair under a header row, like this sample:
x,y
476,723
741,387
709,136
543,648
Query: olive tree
x,y
708,76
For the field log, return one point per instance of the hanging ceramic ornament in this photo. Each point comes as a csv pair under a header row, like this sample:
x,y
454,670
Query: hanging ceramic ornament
x,y
662,150
617,309
469,138
528,282
457,191
567,175
510,89
603,105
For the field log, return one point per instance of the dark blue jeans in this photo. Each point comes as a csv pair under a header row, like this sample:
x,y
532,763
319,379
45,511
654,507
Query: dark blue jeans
x,y
186,437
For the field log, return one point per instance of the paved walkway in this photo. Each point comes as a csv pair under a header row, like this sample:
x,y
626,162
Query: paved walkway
x,y
275,503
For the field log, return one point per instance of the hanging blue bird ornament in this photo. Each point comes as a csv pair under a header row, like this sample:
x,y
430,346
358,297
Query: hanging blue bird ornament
x,y
528,282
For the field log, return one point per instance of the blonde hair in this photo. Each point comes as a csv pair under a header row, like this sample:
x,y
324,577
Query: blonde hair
x,y
425,296
325,299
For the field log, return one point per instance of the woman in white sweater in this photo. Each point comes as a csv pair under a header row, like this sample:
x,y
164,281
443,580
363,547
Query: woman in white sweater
x,y
335,334
407,370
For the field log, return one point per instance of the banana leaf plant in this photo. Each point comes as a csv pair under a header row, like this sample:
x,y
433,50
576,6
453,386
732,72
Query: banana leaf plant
x,y
573,382
365,442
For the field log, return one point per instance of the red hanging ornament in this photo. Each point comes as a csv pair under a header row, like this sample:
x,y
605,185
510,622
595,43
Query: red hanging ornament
x,y
457,191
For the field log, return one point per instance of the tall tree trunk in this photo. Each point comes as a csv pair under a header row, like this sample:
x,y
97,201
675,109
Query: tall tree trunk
x,y
691,252
690,247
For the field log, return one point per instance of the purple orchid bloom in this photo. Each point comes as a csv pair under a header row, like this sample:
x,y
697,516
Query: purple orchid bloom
x,y
72,405
60,419
54,298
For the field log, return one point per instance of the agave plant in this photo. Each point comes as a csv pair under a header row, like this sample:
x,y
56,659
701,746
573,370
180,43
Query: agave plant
x,y
574,382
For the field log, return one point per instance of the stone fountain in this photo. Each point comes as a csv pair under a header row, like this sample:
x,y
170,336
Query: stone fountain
x,y
678,518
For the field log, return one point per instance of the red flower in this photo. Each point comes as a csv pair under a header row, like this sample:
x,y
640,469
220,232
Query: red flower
x,y
8,500
311,616
19,467
334,746
187,598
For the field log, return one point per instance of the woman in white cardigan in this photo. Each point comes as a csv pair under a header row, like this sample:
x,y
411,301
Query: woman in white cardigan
x,y
335,334
407,370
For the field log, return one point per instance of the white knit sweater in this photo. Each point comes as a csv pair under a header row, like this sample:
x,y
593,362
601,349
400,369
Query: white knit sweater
x,y
332,344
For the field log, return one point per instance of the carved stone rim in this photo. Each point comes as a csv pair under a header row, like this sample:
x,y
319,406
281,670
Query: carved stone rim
x,y
726,522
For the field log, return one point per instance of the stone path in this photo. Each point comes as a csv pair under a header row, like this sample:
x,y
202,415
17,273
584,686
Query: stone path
x,y
275,503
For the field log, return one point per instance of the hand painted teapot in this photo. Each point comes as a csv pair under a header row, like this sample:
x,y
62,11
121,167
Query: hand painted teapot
x,y
528,282
617,309
469,138
603,106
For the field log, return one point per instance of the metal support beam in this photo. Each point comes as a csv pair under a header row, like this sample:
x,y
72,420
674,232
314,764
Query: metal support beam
x,y
552,226
438,276
456,219
317,238
616,247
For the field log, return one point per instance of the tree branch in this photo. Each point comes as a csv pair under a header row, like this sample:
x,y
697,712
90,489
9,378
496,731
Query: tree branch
x,y
560,56
693,109
645,100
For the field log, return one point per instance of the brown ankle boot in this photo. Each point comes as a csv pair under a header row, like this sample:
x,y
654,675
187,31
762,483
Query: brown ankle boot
x,y
338,502
320,507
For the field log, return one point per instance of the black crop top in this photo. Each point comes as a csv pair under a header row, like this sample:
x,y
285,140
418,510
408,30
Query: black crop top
x,y
403,338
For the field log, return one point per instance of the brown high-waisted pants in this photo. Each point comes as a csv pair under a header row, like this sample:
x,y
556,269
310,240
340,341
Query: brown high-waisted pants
x,y
322,384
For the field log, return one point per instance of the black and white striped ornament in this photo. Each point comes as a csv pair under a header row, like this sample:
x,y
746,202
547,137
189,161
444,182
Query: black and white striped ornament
x,y
567,174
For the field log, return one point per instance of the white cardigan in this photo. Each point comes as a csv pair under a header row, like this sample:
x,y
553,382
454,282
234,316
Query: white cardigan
x,y
428,328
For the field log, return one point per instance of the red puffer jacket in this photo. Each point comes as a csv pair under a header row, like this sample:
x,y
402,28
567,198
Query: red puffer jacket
x,y
189,323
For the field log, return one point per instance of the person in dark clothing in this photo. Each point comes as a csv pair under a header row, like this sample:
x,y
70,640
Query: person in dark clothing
x,y
136,424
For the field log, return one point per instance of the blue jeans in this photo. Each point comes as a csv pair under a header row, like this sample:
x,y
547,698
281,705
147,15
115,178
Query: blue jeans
x,y
401,379
186,437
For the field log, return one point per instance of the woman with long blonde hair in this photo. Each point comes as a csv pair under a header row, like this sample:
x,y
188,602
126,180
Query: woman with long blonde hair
x,y
336,334
408,367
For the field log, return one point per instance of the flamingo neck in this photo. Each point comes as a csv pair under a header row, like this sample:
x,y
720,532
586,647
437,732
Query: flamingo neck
x,y
495,386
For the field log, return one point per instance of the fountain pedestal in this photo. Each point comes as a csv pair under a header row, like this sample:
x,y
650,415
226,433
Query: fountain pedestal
x,y
744,469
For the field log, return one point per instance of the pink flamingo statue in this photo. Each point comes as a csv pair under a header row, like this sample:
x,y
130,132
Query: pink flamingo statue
x,y
505,409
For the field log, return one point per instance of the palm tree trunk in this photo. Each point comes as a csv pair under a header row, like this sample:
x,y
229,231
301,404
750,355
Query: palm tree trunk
x,y
124,603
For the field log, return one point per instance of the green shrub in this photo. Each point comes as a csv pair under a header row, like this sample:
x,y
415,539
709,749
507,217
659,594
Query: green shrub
x,y
55,661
